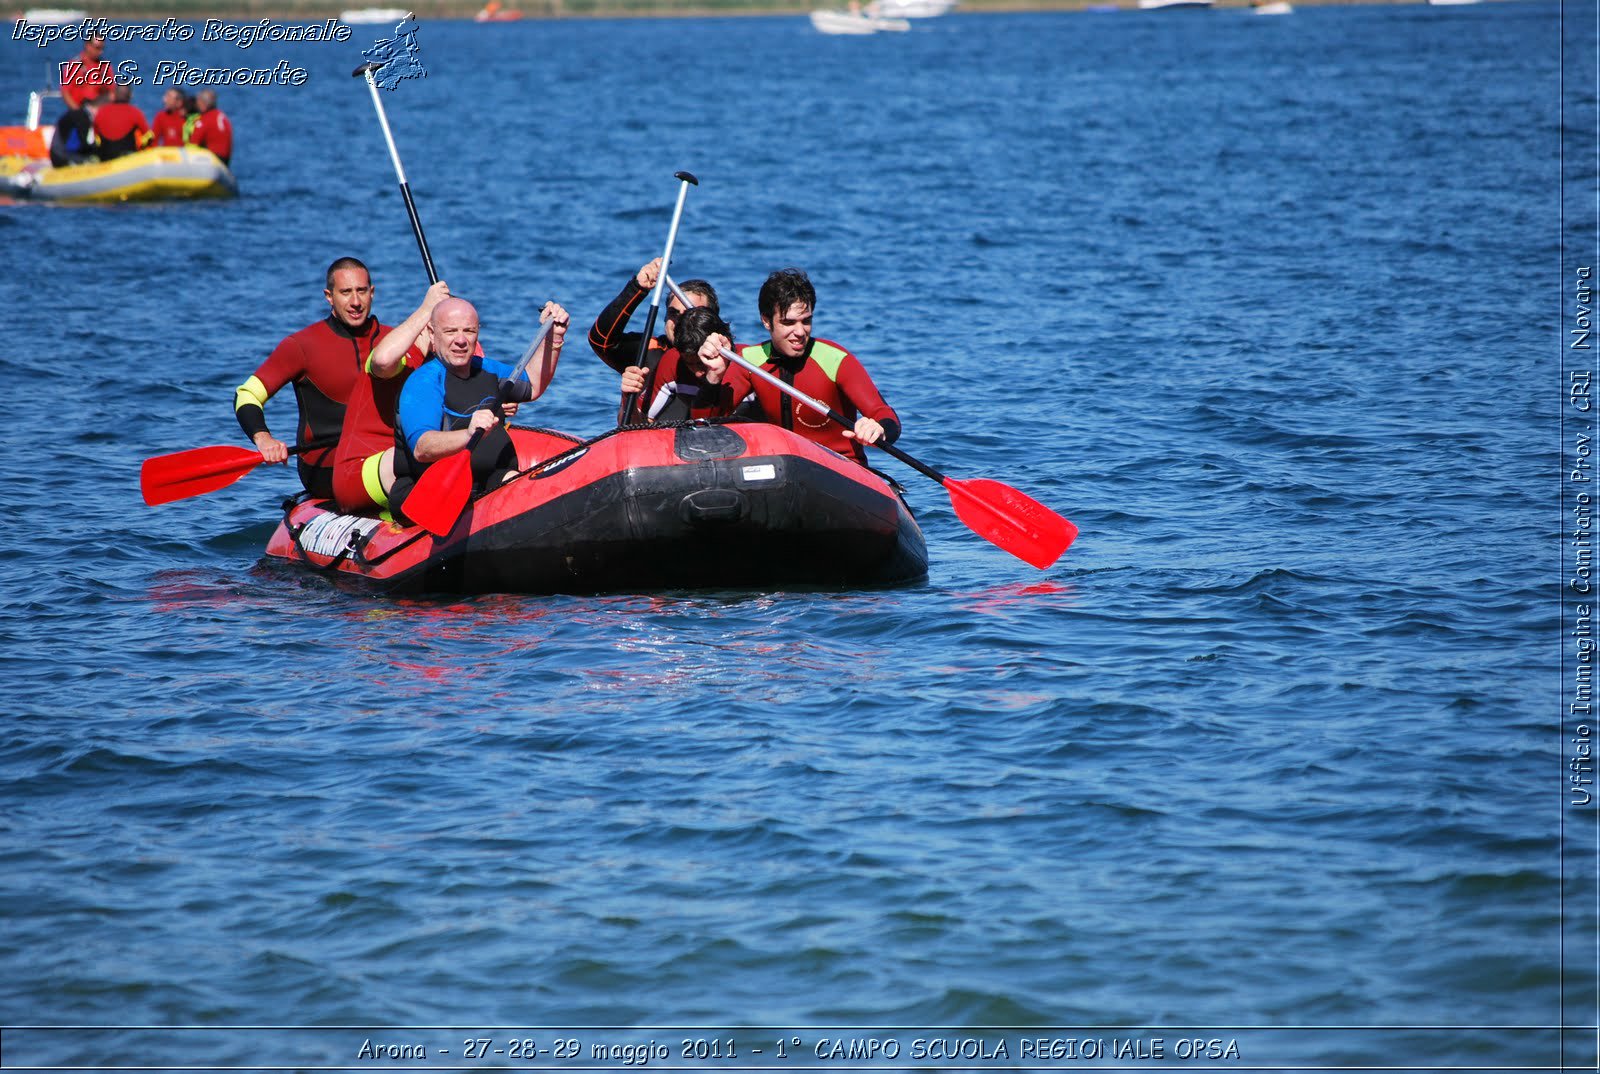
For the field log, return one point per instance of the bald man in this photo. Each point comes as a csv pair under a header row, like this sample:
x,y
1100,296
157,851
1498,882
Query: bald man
x,y
445,403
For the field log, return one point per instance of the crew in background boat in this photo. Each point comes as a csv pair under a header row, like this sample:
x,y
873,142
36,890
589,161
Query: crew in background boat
x,y
446,402
619,348
688,374
87,76
322,362
212,130
119,126
167,127
363,463
819,367
74,138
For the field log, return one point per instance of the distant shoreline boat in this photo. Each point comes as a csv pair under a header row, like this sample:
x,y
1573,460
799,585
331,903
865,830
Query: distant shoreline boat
x,y
52,16
855,23
910,9
1173,5
366,16
494,12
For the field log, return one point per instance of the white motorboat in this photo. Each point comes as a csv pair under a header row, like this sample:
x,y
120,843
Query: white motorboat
x,y
366,16
52,16
853,22
910,9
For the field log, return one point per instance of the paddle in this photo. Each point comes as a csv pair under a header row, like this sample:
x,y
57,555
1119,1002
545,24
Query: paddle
x,y
994,511
367,70
441,493
183,474
655,296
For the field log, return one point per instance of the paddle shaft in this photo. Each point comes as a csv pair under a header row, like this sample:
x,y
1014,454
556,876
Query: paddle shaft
x,y
399,171
685,180
527,355
314,445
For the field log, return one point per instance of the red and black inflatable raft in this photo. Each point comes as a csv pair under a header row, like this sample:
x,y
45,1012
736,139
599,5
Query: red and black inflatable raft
x,y
702,504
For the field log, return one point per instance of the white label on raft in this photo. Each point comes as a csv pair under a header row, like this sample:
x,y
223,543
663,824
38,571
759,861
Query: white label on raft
x,y
328,535
764,472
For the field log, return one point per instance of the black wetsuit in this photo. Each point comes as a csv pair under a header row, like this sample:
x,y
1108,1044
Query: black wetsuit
x,y
74,139
609,337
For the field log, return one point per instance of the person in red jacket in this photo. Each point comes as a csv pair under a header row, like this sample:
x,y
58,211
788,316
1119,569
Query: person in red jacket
x,y
119,127
323,362
819,367
212,131
87,76
167,127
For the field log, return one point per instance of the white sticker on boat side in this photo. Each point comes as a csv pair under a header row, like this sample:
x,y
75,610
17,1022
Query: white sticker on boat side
x,y
764,472
330,534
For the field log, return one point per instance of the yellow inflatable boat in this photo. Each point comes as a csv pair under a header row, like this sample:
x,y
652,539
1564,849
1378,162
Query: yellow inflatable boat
x,y
147,175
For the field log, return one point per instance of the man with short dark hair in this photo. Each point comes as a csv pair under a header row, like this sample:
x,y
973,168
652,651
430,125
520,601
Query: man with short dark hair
x,y
322,361
819,367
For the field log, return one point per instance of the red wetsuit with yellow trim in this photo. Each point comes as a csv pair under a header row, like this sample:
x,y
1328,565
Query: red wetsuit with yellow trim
x,y
826,372
368,433
323,361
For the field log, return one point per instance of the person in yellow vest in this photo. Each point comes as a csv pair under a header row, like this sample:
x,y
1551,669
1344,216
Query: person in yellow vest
x,y
819,367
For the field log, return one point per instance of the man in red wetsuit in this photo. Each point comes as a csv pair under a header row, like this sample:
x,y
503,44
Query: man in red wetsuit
x,y
167,127
819,367
120,127
323,362
212,130
88,75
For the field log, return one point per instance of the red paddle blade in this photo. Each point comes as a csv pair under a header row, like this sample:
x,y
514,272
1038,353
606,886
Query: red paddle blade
x,y
190,473
440,494
1018,523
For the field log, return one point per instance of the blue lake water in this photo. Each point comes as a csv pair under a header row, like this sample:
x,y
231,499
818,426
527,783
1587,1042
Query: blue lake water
x,y
1270,307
